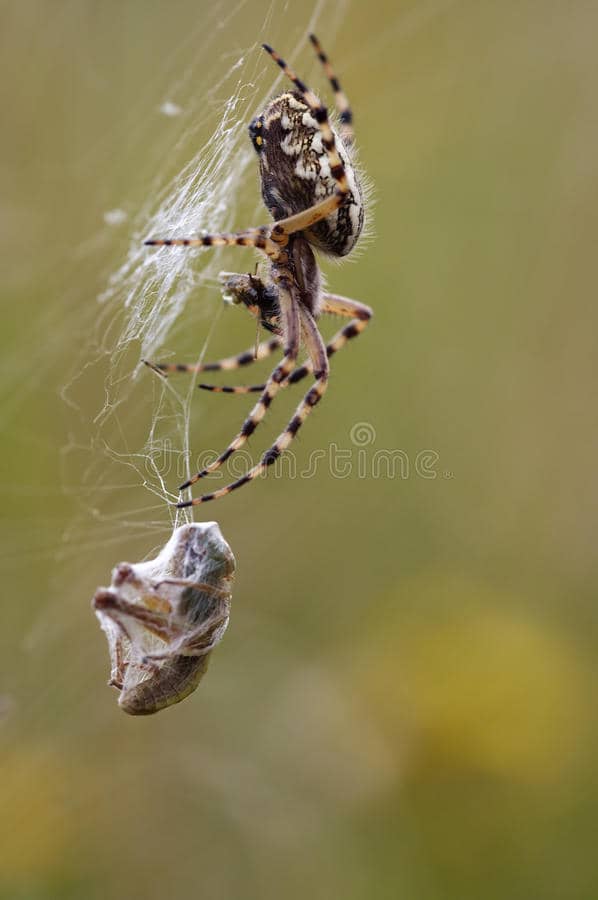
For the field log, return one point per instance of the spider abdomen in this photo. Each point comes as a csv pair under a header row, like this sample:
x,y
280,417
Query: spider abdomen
x,y
295,173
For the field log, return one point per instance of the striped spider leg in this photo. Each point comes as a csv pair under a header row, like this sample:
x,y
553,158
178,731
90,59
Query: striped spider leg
x,y
333,304
340,99
312,191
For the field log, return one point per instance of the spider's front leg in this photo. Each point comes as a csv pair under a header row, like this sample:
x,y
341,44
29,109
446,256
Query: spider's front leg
x,y
342,104
252,237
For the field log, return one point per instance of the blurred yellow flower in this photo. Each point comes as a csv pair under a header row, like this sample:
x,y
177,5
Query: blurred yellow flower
x,y
470,679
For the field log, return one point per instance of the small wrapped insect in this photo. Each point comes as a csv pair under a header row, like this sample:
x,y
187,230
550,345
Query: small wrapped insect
x,y
163,618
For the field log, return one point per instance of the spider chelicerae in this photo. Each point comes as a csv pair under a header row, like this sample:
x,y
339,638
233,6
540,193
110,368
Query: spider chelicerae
x,y
313,192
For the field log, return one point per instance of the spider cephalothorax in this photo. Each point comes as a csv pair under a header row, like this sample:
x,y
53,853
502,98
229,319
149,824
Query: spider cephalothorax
x,y
312,191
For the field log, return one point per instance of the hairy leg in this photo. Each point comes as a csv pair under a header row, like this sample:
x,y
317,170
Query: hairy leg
x,y
319,361
289,315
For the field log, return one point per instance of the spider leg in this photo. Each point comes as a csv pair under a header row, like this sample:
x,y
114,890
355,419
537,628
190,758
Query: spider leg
x,y
332,304
236,388
289,315
335,305
271,239
340,98
303,220
319,359
266,348
252,237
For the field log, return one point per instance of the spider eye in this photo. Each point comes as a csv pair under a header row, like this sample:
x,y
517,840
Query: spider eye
x,y
256,133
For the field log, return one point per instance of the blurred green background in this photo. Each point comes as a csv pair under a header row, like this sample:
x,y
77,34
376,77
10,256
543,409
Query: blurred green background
x,y
404,705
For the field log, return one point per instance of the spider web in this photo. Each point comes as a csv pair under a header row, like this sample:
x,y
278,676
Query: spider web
x,y
167,304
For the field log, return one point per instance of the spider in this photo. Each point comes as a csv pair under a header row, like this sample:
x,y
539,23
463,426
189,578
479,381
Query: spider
x,y
314,195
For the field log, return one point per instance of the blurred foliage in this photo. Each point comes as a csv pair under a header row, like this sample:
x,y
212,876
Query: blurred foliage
x,y
404,703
